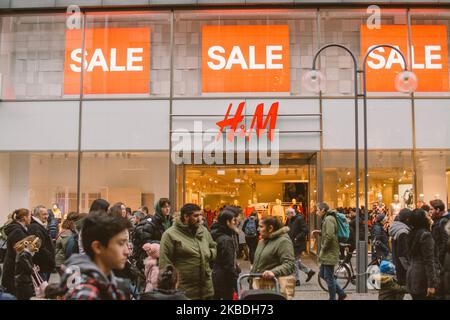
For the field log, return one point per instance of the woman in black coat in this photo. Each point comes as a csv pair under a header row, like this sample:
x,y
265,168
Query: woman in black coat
x,y
422,277
225,271
15,231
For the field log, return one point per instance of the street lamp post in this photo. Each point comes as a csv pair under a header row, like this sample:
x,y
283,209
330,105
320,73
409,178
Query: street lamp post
x,y
406,81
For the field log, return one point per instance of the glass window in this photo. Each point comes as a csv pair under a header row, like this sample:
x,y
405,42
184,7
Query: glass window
x,y
31,179
344,26
32,53
134,178
223,52
127,54
430,38
433,176
390,175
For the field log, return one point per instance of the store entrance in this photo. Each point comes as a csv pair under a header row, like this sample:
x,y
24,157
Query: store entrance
x,y
252,188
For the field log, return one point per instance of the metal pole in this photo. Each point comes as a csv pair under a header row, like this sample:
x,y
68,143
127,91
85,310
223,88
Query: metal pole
x,y
363,245
359,285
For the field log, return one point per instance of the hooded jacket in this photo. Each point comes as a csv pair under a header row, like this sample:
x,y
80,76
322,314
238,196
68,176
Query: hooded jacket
x,y
399,232
149,231
191,252
380,238
15,232
275,254
329,243
91,283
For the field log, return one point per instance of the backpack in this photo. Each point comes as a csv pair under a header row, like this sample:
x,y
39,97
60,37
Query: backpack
x,y
72,246
343,227
250,229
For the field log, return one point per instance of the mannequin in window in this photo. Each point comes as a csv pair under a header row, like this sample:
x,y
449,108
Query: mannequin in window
x,y
421,201
396,206
278,211
249,209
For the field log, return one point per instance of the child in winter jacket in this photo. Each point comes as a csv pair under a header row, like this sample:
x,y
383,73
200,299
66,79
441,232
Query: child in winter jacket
x,y
151,265
389,288
25,250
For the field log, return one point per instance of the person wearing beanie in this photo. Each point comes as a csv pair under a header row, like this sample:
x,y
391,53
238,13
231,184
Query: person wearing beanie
x,y
380,237
398,232
389,287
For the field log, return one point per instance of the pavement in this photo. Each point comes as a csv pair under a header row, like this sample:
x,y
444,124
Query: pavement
x,y
311,290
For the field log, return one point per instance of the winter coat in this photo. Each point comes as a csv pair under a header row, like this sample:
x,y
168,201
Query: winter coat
x,y
159,294
440,236
446,268
191,252
225,270
380,240
298,231
4,296
93,285
399,233
23,276
146,232
15,232
329,244
151,273
423,271
45,257
275,254
61,242
390,289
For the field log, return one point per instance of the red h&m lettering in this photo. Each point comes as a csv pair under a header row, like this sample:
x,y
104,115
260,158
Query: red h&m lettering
x,y
258,120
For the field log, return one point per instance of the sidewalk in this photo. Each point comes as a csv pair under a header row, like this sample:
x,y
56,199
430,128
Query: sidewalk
x,y
312,291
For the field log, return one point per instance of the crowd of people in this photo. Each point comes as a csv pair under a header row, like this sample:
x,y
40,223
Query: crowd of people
x,y
113,253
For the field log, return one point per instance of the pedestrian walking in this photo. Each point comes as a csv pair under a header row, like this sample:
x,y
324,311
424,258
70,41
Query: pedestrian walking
x,y
422,276
189,247
329,250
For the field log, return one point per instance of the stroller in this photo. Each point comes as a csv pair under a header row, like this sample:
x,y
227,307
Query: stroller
x,y
257,294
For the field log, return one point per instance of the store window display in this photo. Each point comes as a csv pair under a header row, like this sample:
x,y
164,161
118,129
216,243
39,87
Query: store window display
x,y
278,211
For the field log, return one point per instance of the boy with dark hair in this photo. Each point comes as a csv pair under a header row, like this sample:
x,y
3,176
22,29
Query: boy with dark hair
x,y
90,276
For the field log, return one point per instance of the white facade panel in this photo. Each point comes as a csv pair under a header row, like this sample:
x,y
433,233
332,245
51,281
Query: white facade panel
x,y
432,123
35,126
389,124
125,125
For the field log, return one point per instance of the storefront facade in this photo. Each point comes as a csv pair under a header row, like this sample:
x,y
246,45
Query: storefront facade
x,y
153,73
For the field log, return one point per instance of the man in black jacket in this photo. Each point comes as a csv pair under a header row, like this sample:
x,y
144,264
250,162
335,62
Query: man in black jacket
x,y
298,231
399,231
440,218
45,258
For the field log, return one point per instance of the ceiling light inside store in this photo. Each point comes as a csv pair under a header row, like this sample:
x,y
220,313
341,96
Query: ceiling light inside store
x,y
210,179
348,173
221,172
237,180
404,172
215,181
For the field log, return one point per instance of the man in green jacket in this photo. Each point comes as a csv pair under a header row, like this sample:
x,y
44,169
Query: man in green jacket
x,y
189,247
329,250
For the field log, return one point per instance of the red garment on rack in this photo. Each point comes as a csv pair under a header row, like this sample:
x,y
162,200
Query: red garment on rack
x,y
248,211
